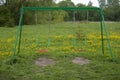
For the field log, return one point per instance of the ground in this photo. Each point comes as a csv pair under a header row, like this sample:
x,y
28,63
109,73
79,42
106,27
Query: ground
x,y
44,61
67,41
80,60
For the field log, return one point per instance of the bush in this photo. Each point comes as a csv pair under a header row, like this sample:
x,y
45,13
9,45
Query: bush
x,y
5,17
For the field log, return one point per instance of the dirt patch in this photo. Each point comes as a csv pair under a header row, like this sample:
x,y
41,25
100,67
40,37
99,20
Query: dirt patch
x,y
80,60
44,61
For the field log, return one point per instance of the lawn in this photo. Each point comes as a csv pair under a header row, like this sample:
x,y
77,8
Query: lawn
x,y
64,41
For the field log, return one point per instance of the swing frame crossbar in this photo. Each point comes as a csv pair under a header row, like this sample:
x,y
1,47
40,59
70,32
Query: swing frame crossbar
x,y
16,50
59,8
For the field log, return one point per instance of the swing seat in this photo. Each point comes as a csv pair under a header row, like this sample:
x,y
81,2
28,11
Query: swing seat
x,y
43,50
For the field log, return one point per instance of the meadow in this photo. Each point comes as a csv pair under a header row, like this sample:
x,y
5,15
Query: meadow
x,y
64,41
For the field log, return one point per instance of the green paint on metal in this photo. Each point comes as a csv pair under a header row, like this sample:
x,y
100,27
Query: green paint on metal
x,y
61,8
106,31
108,41
74,19
50,17
102,39
17,44
19,34
101,23
20,30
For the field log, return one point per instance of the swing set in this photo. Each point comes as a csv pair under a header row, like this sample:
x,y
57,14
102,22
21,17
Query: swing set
x,y
17,49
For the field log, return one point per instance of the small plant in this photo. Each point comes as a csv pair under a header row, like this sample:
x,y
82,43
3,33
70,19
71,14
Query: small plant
x,y
79,34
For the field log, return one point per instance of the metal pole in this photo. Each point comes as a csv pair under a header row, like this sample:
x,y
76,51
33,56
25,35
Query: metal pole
x,y
102,38
49,28
17,37
107,35
87,15
108,40
74,19
36,18
20,30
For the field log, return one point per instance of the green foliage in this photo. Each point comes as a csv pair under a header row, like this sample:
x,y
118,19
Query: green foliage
x,y
44,16
112,11
99,68
67,3
81,15
58,16
5,17
10,12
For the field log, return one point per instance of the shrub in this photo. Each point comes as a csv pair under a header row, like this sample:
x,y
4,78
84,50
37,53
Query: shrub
x,y
5,17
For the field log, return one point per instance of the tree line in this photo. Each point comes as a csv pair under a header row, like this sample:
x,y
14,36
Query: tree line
x,y
10,12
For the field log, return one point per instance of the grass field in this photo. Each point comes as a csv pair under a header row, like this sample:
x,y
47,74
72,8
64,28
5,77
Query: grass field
x,y
67,41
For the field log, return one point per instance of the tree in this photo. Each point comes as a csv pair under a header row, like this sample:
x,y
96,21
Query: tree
x,y
109,2
5,17
103,3
67,3
81,15
90,4
112,11
92,15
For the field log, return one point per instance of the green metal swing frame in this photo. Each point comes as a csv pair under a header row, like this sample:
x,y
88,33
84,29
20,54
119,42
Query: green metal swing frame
x,y
16,50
